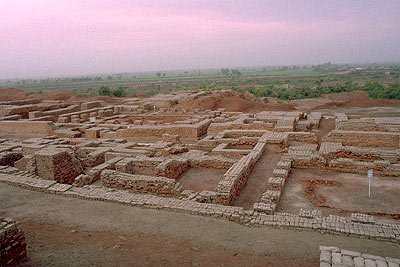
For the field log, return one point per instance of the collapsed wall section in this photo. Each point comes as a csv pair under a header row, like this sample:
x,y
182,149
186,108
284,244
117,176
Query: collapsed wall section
x,y
57,164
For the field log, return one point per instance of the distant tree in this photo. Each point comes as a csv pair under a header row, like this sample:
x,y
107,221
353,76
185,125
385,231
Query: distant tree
x,y
225,71
104,90
158,74
120,92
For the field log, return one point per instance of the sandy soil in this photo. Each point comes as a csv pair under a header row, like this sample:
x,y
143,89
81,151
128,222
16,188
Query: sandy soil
x,y
257,181
350,193
199,179
73,232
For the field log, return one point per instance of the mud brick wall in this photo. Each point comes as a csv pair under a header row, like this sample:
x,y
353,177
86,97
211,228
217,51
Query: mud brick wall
x,y
26,128
236,177
211,162
90,105
303,137
229,153
94,174
380,167
364,139
216,128
172,168
18,110
57,164
12,243
358,125
189,131
139,165
57,112
96,157
140,183
11,118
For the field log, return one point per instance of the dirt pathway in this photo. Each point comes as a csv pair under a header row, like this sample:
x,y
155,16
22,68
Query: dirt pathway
x,y
257,182
63,231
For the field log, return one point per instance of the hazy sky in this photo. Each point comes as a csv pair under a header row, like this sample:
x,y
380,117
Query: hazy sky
x,y
64,37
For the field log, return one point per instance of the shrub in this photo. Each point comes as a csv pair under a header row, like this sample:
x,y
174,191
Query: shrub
x,y
104,90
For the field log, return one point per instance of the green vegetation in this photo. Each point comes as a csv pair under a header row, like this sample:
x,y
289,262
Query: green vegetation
x,y
106,91
377,90
284,82
120,92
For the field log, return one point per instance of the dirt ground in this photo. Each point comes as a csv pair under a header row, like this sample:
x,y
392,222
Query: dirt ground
x,y
73,232
8,94
199,179
343,101
257,181
234,101
349,194
231,101
325,126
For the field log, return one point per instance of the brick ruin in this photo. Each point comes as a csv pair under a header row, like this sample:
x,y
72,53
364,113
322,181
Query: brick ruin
x,y
12,243
149,149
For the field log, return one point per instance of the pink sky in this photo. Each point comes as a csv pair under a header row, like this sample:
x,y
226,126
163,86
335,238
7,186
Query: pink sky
x,y
49,38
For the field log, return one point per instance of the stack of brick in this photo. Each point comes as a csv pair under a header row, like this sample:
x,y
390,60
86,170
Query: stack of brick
x,y
12,243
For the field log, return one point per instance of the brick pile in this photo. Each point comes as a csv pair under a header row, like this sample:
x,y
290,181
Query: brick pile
x,y
12,243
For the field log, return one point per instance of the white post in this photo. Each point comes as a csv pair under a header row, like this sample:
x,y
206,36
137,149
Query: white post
x,y
369,187
370,174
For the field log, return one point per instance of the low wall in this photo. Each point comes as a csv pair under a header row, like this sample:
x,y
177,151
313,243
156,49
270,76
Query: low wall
x,y
26,128
364,139
189,131
236,177
140,183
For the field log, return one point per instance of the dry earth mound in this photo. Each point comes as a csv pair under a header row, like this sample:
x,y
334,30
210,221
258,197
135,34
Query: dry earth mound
x,y
234,101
